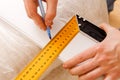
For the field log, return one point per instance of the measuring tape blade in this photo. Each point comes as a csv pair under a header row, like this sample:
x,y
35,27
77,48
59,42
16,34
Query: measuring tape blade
x,y
50,52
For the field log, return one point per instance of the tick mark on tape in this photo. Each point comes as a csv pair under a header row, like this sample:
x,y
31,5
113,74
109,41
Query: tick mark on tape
x,y
39,59
53,53
36,68
47,49
30,68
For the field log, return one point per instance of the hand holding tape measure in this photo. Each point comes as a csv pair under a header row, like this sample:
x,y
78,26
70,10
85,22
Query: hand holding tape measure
x,y
102,59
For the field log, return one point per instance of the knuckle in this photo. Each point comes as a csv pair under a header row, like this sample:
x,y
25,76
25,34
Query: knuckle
x,y
51,15
117,47
71,72
104,59
101,48
31,15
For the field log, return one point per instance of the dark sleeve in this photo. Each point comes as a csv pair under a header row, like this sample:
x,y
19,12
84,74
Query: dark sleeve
x,y
110,5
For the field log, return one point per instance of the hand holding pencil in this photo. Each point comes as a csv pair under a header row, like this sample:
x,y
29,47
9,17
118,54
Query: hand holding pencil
x,y
31,9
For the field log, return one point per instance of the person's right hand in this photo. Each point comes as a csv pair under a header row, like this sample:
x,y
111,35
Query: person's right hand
x,y
31,9
102,59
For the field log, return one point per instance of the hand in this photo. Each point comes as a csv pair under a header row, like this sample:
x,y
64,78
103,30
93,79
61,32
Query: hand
x,y
31,9
103,59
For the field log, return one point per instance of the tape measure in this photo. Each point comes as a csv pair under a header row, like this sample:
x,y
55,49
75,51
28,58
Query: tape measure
x,y
50,52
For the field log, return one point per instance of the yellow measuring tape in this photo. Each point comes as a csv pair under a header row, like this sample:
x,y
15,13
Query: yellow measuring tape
x,y
50,52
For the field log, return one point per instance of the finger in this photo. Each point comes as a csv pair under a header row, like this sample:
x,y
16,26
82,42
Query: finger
x,y
112,76
93,75
44,0
105,27
51,11
51,25
31,9
39,22
84,67
87,54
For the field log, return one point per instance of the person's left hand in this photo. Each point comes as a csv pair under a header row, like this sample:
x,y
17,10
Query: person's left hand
x,y
32,12
103,59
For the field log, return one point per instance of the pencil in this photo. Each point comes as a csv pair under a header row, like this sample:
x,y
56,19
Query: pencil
x,y
43,16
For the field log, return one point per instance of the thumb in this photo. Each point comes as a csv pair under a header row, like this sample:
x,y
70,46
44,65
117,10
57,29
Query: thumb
x,y
51,12
105,27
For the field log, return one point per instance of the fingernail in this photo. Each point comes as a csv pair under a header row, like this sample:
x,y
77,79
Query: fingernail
x,y
64,65
49,22
44,29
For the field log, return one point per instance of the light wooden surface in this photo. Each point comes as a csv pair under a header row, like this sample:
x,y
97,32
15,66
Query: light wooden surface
x,y
16,50
115,15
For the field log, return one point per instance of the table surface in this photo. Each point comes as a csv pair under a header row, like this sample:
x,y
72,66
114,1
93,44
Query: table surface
x,y
14,12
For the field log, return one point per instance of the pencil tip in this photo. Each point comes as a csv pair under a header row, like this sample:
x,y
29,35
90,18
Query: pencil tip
x,y
50,38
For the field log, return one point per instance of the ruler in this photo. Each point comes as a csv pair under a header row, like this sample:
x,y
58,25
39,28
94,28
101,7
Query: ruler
x,y
50,52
